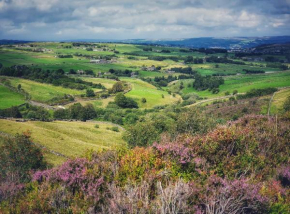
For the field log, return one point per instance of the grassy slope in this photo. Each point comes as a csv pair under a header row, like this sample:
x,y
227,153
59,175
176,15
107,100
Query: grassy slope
x,y
42,92
9,98
278,100
244,83
141,89
68,138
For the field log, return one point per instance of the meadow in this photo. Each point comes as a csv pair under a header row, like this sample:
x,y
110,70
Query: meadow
x,y
71,139
153,96
10,98
43,92
243,83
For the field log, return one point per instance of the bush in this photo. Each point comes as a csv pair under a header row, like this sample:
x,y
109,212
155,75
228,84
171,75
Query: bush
x,y
115,129
18,156
90,93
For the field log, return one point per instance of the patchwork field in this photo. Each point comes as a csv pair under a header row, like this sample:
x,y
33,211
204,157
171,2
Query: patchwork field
x,y
9,98
68,138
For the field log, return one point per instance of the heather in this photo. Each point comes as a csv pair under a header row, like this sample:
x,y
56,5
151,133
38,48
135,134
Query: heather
x,y
239,167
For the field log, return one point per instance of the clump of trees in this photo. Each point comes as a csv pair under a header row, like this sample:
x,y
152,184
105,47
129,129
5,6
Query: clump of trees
x,y
186,70
207,82
257,93
125,102
253,71
56,77
77,112
117,87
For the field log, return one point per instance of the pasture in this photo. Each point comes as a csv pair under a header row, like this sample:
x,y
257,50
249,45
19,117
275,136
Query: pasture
x,y
42,92
70,139
153,96
10,98
244,83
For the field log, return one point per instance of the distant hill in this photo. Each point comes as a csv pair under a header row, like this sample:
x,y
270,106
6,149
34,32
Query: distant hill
x,y
202,42
211,42
7,41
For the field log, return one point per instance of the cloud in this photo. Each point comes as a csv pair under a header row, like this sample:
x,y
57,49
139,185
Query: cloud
x,y
121,19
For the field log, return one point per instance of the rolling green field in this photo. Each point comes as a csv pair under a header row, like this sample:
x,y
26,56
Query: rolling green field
x,y
133,57
9,98
42,92
68,138
141,89
244,83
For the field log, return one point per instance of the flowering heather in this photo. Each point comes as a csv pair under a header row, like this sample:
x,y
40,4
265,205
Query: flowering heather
x,y
284,175
177,151
74,174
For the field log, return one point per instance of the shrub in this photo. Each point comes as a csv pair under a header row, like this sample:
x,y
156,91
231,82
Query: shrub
x,y
18,156
90,93
115,129
286,105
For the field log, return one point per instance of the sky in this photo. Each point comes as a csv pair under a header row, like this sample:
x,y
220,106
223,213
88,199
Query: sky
x,y
55,20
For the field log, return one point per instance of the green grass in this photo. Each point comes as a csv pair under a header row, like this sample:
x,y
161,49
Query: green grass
x,y
71,139
141,89
244,83
42,92
9,98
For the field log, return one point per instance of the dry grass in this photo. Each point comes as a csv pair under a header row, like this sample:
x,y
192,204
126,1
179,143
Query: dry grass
x,y
71,139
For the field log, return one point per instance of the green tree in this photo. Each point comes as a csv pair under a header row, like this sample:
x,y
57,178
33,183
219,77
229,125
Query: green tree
x,y
125,102
143,100
117,87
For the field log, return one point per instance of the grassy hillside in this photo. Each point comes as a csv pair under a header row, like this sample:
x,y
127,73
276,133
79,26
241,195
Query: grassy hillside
x,y
43,92
153,96
242,83
9,98
68,138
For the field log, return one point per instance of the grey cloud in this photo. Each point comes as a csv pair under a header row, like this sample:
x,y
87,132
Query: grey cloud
x,y
120,19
